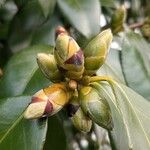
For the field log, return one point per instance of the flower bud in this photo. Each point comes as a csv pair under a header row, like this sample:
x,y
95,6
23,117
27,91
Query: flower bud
x,y
118,19
48,101
96,107
69,56
48,66
146,29
60,30
96,51
79,119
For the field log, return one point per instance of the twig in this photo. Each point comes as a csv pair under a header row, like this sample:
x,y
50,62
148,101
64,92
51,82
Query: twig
x,y
136,25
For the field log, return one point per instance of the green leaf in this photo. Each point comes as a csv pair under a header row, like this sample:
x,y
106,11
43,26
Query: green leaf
x,y
16,132
112,66
20,74
136,63
47,6
108,3
21,3
131,116
24,24
83,15
2,3
56,138
45,34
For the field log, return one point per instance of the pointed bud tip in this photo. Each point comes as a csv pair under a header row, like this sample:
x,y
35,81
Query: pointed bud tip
x,y
123,7
35,110
41,56
60,30
109,32
108,36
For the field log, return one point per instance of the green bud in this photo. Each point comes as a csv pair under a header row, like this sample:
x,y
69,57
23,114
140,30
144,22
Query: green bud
x,y
79,119
118,19
146,28
48,66
96,107
96,51
69,56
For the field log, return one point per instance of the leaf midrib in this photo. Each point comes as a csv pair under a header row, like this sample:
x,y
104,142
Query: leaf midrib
x,y
15,123
135,114
12,127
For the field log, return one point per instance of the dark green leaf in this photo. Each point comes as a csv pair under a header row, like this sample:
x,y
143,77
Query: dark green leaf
x,y
21,74
21,3
131,117
56,138
136,63
23,25
83,15
16,132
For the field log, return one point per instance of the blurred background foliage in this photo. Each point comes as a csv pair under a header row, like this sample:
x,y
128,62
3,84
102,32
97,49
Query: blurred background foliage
x,y
32,23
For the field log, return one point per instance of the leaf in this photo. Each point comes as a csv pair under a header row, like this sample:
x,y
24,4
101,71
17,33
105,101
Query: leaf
x,y
2,3
47,6
45,34
56,138
136,63
83,15
21,3
112,66
24,24
107,3
131,116
20,73
16,132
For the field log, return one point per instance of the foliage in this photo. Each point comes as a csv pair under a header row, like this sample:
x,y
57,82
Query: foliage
x,y
28,27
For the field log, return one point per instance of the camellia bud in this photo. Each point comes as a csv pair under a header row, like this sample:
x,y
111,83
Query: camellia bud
x,y
79,119
118,19
69,56
48,66
96,51
60,30
96,107
48,101
146,28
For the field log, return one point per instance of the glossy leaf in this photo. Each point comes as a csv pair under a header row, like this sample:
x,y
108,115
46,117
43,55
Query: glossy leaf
x,y
56,138
20,72
83,15
16,132
131,117
136,63
24,23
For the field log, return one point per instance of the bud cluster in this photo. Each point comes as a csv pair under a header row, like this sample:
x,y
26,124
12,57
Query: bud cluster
x,y
67,68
